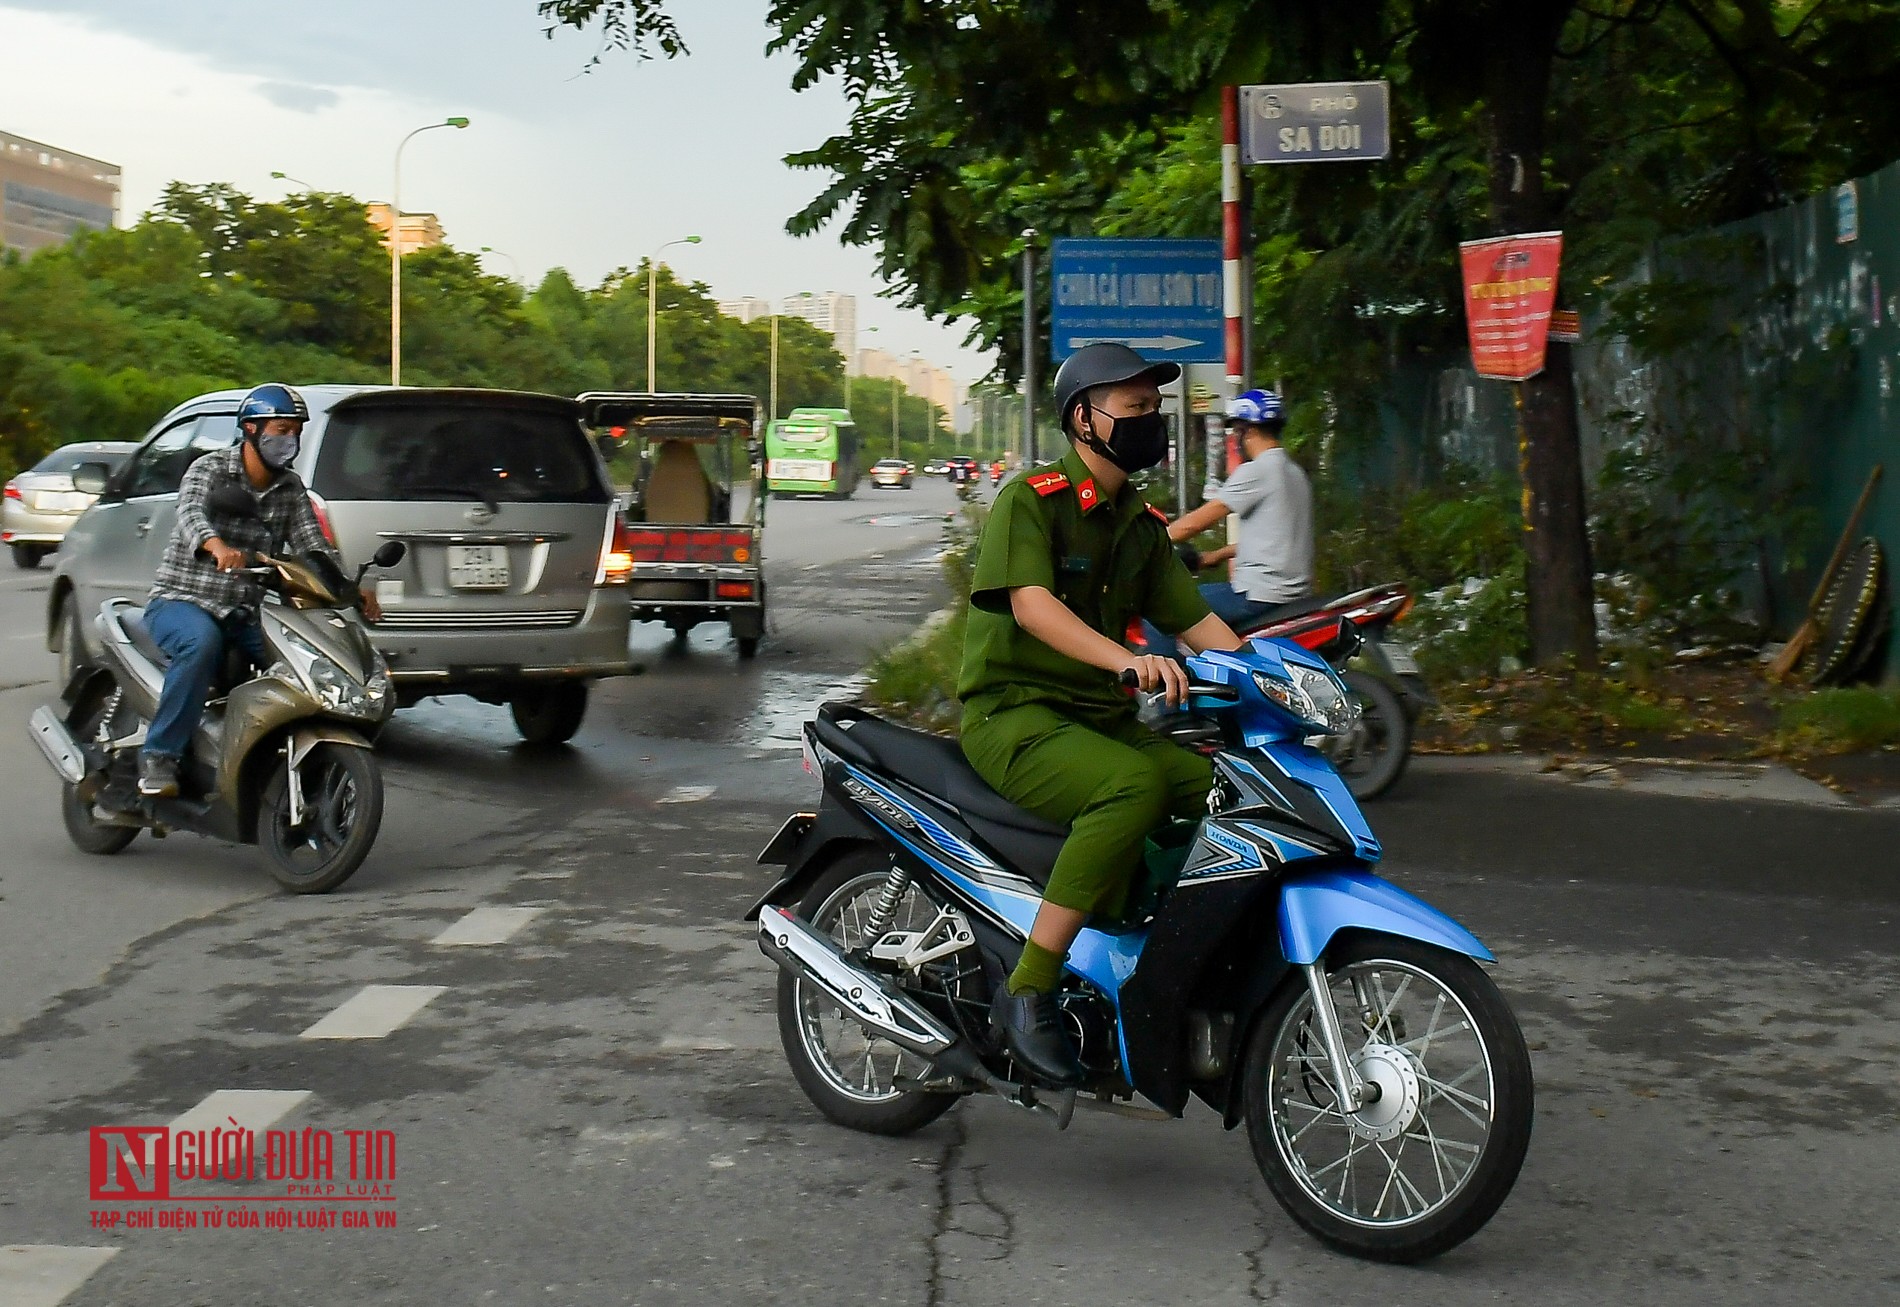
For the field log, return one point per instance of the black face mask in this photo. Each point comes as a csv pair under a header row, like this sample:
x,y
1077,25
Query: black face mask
x,y
1134,444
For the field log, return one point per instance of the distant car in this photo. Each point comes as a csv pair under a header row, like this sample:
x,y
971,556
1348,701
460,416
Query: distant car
x,y
40,504
936,467
962,468
892,474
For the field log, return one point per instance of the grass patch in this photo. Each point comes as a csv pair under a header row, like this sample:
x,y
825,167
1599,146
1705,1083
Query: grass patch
x,y
1840,721
917,680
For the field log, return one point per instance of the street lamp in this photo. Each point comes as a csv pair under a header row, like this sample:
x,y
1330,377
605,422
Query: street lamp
x,y
515,268
653,317
286,177
395,250
776,315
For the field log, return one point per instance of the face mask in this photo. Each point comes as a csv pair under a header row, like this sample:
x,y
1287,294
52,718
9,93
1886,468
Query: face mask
x,y
1134,444
278,452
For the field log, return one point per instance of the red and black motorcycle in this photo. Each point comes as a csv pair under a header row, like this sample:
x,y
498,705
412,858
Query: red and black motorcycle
x,y
1379,670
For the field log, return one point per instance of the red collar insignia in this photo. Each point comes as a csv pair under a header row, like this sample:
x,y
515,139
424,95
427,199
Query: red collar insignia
x,y
1158,513
1088,495
1047,483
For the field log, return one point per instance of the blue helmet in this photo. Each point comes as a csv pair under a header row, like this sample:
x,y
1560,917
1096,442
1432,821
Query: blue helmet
x,y
1262,406
272,400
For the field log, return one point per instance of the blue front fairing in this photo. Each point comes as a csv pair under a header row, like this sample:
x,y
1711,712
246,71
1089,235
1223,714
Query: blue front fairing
x,y
1316,905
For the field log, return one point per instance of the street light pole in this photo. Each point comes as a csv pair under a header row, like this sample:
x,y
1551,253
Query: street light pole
x,y
893,413
1029,347
395,250
286,177
515,268
775,367
653,316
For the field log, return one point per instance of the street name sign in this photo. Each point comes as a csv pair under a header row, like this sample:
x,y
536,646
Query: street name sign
x,y
1161,297
1314,122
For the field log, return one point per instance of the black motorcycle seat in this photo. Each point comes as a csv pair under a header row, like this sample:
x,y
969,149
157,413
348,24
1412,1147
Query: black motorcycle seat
x,y
932,763
133,620
1298,608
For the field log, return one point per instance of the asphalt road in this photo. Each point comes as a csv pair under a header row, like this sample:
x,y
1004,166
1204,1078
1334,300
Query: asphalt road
x,y
593,1108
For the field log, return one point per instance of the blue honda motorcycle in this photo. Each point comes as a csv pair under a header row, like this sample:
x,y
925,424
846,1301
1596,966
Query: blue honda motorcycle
x,y
1264,969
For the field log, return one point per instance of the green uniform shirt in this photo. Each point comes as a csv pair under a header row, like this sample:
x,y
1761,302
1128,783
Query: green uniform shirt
x,y
1108,561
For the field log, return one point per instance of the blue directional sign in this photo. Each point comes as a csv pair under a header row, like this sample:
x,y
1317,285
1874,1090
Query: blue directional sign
x,y
1162,297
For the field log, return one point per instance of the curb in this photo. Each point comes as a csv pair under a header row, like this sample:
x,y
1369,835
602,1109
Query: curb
x,y
1753,782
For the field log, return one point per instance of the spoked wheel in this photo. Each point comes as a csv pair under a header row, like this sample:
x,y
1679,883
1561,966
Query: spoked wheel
x,y
1371,756
89,830
1424,1166
342,811
851,1076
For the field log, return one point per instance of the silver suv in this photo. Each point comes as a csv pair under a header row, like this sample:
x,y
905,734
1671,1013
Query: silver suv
x,y
514,588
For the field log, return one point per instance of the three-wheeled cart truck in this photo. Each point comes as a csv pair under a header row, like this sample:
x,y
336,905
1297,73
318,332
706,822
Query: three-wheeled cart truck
x,y
694,558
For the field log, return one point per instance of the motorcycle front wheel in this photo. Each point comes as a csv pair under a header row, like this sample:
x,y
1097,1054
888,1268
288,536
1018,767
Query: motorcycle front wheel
x,y
1371,757
1423,1166
342,811
851,1076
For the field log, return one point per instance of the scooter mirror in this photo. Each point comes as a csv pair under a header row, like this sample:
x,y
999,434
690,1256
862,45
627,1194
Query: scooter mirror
x,y
391,553
232,501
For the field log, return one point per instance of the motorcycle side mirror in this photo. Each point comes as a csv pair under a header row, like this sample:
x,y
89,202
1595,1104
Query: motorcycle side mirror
x,y
388,554
91,478
232,501
1343,644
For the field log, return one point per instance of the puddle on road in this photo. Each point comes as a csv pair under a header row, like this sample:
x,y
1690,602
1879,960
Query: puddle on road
x,y
901,519
790,701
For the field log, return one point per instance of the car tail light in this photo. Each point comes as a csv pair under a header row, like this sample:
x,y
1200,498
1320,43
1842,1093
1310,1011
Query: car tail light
x,y
733,590
616,554
322,510
13,492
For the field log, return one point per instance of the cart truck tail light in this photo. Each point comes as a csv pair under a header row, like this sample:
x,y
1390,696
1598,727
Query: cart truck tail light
x,y
733,590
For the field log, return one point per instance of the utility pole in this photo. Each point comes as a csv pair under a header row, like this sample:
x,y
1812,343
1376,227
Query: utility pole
x,y
1029,345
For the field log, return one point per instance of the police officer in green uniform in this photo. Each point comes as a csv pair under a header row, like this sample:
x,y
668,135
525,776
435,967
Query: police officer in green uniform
x,y
1070,555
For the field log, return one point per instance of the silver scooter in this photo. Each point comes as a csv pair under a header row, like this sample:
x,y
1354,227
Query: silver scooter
x,y
282,757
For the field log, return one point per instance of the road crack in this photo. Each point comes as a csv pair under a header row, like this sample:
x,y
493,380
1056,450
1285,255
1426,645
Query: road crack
x,y
1260,1284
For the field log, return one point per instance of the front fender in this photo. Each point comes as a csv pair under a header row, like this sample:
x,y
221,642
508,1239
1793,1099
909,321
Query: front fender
x,y
1318,905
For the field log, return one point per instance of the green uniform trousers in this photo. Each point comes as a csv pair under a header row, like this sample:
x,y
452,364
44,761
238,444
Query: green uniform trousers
x,y
1111,786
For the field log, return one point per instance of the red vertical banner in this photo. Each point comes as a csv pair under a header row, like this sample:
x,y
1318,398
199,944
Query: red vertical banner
x,y
1510,287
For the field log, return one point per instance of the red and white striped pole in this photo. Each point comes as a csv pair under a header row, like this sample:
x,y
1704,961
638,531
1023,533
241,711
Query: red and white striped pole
x,y
1233,290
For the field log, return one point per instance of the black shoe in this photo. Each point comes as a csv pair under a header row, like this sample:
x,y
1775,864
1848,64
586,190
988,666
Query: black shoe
x,y
158,776
1032,1031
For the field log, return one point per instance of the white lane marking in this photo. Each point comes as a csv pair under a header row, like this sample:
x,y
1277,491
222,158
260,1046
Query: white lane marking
x,y
373,1011
688,794
487,926
254,1109
43,1274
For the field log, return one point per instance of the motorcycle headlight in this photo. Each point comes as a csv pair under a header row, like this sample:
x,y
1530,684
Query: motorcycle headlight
x,y
330,685
1314,697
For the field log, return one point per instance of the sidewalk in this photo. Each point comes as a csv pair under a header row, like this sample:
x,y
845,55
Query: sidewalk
x,y
1755,782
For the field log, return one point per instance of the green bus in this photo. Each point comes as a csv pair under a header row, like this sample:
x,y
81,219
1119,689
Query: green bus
x,y
813,451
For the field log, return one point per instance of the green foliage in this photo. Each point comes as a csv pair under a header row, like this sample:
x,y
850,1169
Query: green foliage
x,y
212,289
1461,631
1840,721
917,679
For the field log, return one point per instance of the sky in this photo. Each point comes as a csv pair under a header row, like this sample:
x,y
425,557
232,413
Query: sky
x,y
560,166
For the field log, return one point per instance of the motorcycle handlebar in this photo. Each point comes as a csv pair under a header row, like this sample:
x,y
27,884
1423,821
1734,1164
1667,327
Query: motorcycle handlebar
x,y
1131,680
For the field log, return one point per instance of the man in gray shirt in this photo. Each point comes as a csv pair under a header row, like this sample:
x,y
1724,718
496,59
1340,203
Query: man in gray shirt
x,y
1273,559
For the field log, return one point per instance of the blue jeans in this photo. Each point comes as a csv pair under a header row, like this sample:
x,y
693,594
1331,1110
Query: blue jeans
x,y
1226,603
195,642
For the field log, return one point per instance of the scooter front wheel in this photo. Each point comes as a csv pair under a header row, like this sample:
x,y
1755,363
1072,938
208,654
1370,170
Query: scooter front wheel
x,y
1372,756
1422,1166
342,791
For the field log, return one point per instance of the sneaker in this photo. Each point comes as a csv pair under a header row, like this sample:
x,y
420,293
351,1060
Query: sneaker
x,y
158,776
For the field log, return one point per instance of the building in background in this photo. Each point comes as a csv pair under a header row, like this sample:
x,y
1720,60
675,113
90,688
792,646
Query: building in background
x,y
419,230
921,378
47,194
832,313
748,309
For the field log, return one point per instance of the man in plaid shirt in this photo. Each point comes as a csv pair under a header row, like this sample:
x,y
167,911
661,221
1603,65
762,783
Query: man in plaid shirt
x,y
200,603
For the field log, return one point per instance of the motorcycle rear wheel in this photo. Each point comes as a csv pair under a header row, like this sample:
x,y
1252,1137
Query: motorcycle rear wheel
x,y
343,810
846,1074
1372,757
1421,1169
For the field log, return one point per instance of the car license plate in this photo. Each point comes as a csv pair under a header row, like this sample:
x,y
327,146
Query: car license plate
x,y
61,501
1400,656
478,567
799,469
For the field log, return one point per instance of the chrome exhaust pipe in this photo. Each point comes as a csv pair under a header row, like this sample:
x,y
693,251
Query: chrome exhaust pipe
x,y
58,744
869,999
